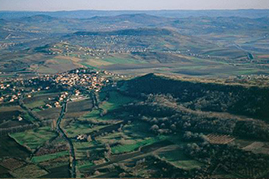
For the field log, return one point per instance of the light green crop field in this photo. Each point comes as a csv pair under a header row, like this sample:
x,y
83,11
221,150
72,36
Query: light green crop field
x,y
38,159
132,147
84,165
32,139
76,129
130,138
115,101
176,156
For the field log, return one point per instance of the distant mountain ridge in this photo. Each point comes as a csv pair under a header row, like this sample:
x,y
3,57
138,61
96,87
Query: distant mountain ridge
x,y
249,13
39,18
147,19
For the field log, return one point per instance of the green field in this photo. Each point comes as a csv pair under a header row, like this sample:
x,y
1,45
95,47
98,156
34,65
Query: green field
x,y
115,101
81,150
130,138
176,156
76,128
32,139
123,148
84,165
38,159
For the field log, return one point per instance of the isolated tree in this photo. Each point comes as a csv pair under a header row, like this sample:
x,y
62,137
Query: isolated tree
x,y
154,128
89,138
88,154
173,127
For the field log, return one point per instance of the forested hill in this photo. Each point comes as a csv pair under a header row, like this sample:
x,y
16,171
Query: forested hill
x,y
134,32
246,101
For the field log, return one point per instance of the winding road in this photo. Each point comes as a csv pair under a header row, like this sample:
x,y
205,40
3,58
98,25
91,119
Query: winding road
x,y
62,133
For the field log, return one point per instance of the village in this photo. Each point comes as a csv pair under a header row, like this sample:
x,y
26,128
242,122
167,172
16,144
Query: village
x,y
76,83
105,46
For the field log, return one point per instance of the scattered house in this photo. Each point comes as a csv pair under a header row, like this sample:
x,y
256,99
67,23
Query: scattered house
x,y
81,137
48,105
2,86
20,118
14,97
99,162
57,104
77,93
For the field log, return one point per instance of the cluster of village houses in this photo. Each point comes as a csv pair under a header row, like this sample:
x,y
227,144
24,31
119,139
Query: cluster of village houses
x,y
19,88
78,78
99,52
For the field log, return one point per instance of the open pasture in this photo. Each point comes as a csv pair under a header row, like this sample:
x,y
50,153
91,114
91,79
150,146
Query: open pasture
x,y
125,141
32,139
43,158
75,128
115,101
174,155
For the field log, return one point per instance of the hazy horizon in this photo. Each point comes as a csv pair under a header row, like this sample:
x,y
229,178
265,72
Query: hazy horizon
x,y
128,10
132,5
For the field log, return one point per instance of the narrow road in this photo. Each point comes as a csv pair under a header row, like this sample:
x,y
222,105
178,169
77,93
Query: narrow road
x,y
94,100
23,106
72,151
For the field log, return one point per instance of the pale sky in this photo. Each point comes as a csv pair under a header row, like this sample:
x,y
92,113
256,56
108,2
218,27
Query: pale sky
x,y
57,5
